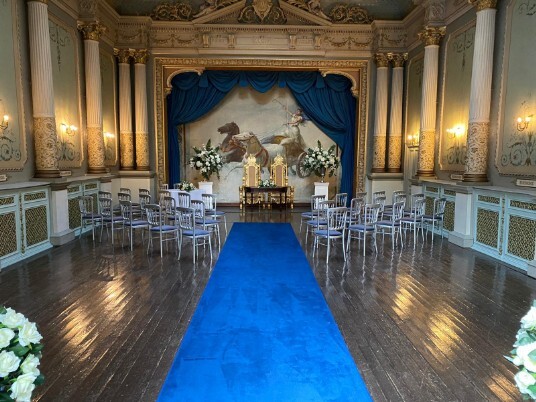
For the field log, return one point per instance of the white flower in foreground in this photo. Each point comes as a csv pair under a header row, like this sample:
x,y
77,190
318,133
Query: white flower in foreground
x,y
524,380
529,320
12,319
523,353
22,388
29,334
9,362
198,163
29,365
6,335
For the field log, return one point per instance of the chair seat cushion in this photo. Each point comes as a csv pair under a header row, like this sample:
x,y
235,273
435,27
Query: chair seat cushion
x,y
432,217
137,222
91,216
165,228
198,232
207,222
324,232
410,219
314,223
360,227
113,218
219,213
388,223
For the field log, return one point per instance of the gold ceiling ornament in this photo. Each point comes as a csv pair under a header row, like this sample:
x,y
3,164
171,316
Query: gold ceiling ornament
x,y
172,12
262,12
431,36
381,60
311,6
91,30
483,4
398,59
345,14
140,56
123,55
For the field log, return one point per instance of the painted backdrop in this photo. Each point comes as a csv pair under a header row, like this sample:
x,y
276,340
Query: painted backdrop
x,y
264,116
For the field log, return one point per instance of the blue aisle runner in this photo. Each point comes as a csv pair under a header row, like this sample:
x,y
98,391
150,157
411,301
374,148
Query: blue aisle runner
x,y
262,330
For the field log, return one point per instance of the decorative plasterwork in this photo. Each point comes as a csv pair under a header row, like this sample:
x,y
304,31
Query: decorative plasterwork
x,y
355,70
483,4
381,60
262,12
91,30
431,36
346,14
140,56
434,11
398,59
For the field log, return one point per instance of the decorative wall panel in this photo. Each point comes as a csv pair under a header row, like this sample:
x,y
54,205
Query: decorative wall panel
x,y
66,76
109,101
448,221
8,233
516,150
74,213
414,95
521,237
36,225
456,94
13,136
487,227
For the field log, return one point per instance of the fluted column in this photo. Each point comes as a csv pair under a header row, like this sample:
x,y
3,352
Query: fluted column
x,y
44,120
480,101
431,37
380,114
394,160
126,139
140,102
92,32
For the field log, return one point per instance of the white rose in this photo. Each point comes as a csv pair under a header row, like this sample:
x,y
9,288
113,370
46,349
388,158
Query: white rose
x,y
207,163
6,335
524,380
29,365
523,353
12,319
198,164
22,388
29,334
529,320
318,156
9,362
517,361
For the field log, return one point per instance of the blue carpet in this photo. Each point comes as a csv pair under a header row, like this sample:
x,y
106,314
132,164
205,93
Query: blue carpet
x,y
262,330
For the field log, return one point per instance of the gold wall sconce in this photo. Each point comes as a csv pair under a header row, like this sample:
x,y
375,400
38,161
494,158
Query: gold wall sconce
x,y
68,129
522,123
5,122
412,140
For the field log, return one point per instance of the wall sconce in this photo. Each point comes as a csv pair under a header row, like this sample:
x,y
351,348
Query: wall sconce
x,y
5,122
108,145
456,132
69,130
456,152
523,123
412,140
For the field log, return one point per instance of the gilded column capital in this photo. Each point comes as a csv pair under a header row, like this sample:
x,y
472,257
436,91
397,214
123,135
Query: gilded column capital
x,y
91,30
140,56
483,4
398,59
381,60
431,36
123,55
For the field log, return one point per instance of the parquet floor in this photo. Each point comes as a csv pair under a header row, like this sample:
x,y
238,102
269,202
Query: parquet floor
x,y
430,324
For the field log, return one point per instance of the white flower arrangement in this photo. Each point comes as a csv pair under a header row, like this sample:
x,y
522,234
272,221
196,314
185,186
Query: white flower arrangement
x,y
267,183
321,161
207,160
20,352
524,355
186,186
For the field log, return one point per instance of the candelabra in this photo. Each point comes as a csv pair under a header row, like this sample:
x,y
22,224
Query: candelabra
x,y
412,140
66,144
456,152
5,123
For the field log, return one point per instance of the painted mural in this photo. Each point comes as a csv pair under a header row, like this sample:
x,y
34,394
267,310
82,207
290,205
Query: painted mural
x,y
414,97
64,52
456,95
109,123
257,122
12,134
516,151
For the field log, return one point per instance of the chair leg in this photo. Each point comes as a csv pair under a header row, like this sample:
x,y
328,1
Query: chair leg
x,y
327,252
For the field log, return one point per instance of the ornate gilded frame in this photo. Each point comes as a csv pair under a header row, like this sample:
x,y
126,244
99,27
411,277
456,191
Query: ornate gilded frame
x,y
355,70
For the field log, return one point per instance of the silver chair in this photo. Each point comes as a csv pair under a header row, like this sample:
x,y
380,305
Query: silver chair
x,y
211,210
124,190
437,216
341,199
361,194
393,224
157,227
87,216
130,222
144,200
335,228
108,217
168,208
356,210
162,194
164,187
320,221
188,229
367,226
183,199
415,220
144,191
399,197
205,222
376,195
307,216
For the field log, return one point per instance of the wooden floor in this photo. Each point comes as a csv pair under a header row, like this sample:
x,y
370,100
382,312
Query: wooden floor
x,y
430,324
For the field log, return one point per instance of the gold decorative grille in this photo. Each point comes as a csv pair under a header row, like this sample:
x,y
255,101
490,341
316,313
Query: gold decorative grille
x,y
8,234
7,201
523,205
487,227
432,189
489,199
450,192
450,207
91,186
73,189
74,214
429,205
522,237
35,196
36,225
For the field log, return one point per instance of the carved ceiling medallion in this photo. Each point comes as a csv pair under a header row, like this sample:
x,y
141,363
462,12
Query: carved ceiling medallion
x,y
262,12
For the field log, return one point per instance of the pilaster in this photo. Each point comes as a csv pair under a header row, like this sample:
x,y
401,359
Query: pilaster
x,y
125,110
394,160
380,114
140,102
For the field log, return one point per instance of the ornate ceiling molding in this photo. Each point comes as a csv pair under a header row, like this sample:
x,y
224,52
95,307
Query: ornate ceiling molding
x,y
347,14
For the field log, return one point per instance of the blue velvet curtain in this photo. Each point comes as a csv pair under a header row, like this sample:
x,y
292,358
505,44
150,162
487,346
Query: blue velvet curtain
x,y
327,101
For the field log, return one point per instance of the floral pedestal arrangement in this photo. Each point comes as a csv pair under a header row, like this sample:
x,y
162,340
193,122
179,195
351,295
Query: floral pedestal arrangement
x,y
322,188
208,161
321,161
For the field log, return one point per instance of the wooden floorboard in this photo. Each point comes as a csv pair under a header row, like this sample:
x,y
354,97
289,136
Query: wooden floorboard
x,y
426,324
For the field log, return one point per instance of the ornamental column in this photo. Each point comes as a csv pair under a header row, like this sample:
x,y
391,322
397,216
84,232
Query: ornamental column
x,y
44,117
92,32
431,37
140,103
380,114
480,101
126,138
394,160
